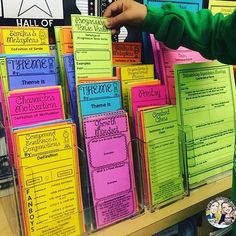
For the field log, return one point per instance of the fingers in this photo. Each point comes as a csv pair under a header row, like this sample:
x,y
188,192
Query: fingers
x,y
116,21
113,9
116,15
125,13
115,31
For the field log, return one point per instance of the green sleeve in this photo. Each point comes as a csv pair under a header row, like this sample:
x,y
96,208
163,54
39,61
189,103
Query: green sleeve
x,y
213,36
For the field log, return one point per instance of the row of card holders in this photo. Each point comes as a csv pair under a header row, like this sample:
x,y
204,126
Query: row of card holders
x,y
88,211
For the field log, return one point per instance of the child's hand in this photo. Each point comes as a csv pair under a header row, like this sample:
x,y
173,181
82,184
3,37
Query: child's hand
x,y
124,12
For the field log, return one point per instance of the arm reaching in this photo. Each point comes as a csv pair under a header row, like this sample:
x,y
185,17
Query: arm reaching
x,y
212,36
125,13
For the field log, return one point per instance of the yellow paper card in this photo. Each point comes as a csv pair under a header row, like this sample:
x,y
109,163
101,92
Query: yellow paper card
x,y
134,73
23,40
224,7
92,47
3,73
49,180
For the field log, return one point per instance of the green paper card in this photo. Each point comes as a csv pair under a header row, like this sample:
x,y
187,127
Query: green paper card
x,y
206,114
92,47
162,149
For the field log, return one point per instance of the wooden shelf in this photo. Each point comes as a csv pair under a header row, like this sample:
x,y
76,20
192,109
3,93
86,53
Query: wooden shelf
x,y
147,223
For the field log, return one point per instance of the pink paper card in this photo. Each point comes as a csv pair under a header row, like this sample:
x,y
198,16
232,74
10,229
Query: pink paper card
x,y
146,95
6,123
156,56
109,156
33,106
169,58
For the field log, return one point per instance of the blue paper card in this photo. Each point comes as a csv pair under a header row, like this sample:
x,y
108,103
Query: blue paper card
x,y
31,71
99,97
194,5
70,76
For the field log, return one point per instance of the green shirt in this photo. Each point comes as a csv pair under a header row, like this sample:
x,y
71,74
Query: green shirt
x,y
213,36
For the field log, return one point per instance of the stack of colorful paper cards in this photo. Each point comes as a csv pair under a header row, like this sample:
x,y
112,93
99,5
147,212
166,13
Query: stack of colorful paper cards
x,y
63,35
71,86
206,115
162,172
156,55
24,72
144,94
5,120
49,179
66,39
109,154
169,58
64,43
134,73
